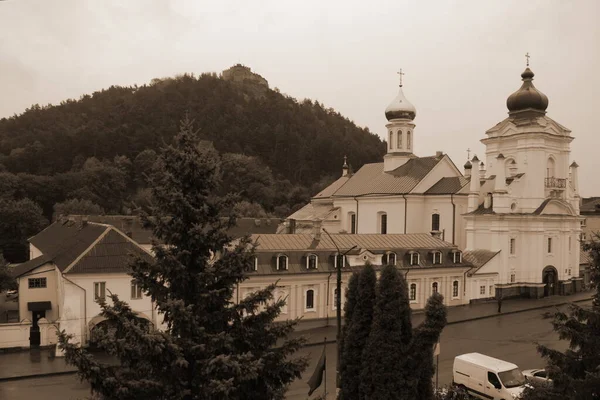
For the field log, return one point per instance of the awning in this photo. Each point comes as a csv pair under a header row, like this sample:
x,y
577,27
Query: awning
x,y
39,306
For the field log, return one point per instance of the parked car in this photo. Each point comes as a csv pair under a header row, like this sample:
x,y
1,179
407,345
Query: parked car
x,y
487,378
537,375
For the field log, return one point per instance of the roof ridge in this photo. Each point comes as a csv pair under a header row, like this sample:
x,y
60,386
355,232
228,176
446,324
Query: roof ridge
x,y
90,247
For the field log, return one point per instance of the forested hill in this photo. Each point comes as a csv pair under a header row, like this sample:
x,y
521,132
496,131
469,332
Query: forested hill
x,y
299,141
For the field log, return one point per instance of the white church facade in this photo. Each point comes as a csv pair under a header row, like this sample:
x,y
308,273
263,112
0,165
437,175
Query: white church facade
x,y
520,203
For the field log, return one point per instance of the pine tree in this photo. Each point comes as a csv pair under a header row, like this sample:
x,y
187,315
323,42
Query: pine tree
x,y
212,348
386,372
358,329
7,282
349,304
575,373
426,336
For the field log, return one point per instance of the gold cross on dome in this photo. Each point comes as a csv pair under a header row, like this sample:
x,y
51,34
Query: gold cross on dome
x,y
527,57
400,73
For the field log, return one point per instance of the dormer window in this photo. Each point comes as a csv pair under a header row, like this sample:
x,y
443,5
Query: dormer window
x,y
414,258
457,257
437,257
311,261
255,263
389,259
339,261
282,262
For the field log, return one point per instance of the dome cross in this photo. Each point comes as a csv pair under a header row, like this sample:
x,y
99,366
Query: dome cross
x,y
400,73
527,56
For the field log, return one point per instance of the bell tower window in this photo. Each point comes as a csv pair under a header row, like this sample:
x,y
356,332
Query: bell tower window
x,y
399,140
408,143
391,138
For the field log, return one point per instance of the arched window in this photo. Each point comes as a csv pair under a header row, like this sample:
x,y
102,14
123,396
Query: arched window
x,y
389,259
413,292
455,289
550,165
437,257
352,222
339,260
435,222
382,223
391,138
282,262
414,258
434,288
311,261
255,266
310,299
408,144
399,140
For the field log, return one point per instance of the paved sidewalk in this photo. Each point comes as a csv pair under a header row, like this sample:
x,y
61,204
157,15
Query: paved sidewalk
x,y
36,363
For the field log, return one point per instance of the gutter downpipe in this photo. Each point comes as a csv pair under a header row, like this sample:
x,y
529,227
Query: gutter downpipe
x,y
84,305
356,227
453,216
327,305
405,211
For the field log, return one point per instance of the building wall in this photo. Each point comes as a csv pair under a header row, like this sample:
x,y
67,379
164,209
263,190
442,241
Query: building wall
x,y
49,293
590,226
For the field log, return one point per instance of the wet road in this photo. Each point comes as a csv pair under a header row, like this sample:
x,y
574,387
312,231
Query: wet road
x,y
509,337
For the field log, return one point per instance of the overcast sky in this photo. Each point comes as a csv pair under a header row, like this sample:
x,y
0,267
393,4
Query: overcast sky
x,y
462,59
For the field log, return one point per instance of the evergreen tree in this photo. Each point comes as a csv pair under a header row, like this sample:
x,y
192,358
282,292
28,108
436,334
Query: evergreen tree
x,y
387,372
357,333
426,336
349,304
575,373
7,282
212,348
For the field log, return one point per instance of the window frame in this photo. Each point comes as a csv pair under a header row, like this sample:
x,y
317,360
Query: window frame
x,y
391,139
439,255
435,222
352,221
512,246
408,141
549,245
411,298
454,254
308,263
336,257
482,289
314,297
43,283
279,257
102,286
136,291
513,277
383,223
412,254
399,139
386,258
455,289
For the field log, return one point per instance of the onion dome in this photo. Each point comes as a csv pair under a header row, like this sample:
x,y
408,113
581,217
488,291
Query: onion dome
x,y
400,107
468,165
527,97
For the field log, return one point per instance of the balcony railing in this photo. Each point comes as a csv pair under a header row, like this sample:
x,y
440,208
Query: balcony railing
x,y
556,183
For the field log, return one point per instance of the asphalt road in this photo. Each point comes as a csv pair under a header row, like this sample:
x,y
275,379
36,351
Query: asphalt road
x,y
509,337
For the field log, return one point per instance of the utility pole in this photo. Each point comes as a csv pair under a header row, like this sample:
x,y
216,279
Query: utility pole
x,y
338,306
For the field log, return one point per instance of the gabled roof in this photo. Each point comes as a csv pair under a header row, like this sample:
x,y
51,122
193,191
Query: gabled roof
x,y
331,189
29,266
479,257
448,185
371,179
306,242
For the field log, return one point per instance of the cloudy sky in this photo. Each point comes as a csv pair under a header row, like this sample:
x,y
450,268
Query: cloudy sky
x,y
461,58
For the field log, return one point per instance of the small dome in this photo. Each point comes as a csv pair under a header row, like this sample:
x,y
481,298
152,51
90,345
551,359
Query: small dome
x,y
468,165
527,97
400,107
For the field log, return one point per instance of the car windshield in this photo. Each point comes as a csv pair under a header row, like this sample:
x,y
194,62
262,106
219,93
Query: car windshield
x,y
512,378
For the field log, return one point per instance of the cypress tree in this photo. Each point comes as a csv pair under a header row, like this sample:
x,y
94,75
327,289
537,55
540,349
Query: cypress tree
x,y
426,336
386,372
212,348
357,333
349,304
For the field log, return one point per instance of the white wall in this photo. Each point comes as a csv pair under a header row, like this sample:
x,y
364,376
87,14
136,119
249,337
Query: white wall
x,y
49,293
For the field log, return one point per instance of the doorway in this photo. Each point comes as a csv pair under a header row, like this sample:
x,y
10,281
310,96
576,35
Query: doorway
x,y
550,280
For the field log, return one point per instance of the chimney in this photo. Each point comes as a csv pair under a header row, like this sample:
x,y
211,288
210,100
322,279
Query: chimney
x,y
482,170
439,154
291,226
317,230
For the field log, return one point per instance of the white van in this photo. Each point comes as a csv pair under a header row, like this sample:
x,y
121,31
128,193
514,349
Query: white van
x,y
488,378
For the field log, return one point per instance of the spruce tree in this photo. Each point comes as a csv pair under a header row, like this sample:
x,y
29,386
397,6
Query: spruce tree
x,y
575,373
358,329
386,372
349,304
212,348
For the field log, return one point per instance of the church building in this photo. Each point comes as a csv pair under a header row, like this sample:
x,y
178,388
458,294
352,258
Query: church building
x,y
520,203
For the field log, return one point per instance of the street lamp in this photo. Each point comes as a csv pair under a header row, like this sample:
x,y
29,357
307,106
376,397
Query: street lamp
x,y
338,306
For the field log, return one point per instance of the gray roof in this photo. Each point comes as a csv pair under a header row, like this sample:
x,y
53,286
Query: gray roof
x,y
334,187
283,242
448,185
312,211
479,257
30,265
371,179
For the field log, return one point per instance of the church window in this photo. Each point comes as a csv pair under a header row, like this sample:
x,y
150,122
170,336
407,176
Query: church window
x,y
413,292
414,258
282,262
389,259
569,272
435,222
457,257
340,261
383,223
352,220
512,246
434,288
399,140
310,299
482,289
550,168
549,245
311,261
391,137
512,278
569,243
408,140
437,257
455,289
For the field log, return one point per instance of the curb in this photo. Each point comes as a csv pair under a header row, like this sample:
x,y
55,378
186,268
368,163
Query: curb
x,y
40,375
312,344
